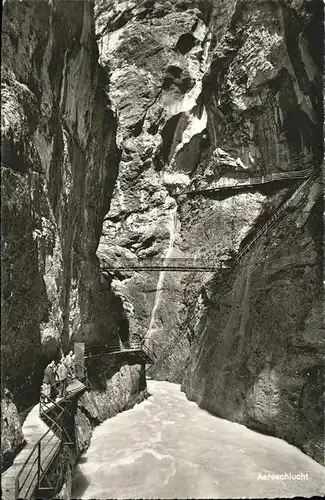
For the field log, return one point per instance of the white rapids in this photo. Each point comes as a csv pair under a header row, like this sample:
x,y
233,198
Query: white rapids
x,y
167,447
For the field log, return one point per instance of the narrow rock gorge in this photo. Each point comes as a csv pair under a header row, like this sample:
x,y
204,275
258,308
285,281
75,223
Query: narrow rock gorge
x,y
210,94
167,131
59,166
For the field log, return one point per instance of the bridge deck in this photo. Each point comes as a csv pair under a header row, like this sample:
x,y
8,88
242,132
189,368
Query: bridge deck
x,y
74,388
180,264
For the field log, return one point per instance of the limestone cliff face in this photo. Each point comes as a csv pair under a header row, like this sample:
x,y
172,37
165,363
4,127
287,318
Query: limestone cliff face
x,y
59,164
257,355
156,54
210,93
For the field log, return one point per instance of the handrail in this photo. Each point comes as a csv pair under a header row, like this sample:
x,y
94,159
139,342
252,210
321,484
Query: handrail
x,y
37,447
55,431
84,377
115,347
100,349
148,351
45,403
250,181
20,487
55,404
38,444
274,217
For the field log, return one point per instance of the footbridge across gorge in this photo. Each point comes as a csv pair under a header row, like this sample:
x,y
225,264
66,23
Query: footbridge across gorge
x,y
197,264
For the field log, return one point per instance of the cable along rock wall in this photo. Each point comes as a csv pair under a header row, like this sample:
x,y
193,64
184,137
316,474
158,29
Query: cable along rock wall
x,y
212,92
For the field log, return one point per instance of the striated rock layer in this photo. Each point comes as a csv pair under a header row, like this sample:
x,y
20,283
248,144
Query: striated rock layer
x,y
59,165
212,93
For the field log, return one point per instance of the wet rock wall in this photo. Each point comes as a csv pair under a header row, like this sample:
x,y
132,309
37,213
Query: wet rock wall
x,y
213,93
59,165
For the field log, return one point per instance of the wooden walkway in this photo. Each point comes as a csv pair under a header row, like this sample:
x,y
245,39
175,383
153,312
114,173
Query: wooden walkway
x,y
74,388
135,352
33,429
22,479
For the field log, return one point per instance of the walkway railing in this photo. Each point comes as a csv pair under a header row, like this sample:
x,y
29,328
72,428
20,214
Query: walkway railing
x,y
251,181
39,458
149,352
115,348
160,264
45,450
275,216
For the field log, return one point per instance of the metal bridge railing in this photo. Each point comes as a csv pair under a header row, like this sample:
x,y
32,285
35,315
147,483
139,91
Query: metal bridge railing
x,y
131,346
149,352
82,374
251,181
34,465
170,264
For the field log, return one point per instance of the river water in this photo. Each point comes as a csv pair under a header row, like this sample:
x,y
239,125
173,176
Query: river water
x,y
167,447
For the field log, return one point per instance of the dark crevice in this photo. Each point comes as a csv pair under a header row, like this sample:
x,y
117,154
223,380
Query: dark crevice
x,y
179,78
185,43
138,126
168,134
13,153
148,242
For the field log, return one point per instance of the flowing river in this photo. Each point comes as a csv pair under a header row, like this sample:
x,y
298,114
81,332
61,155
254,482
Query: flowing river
x,y
167,447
